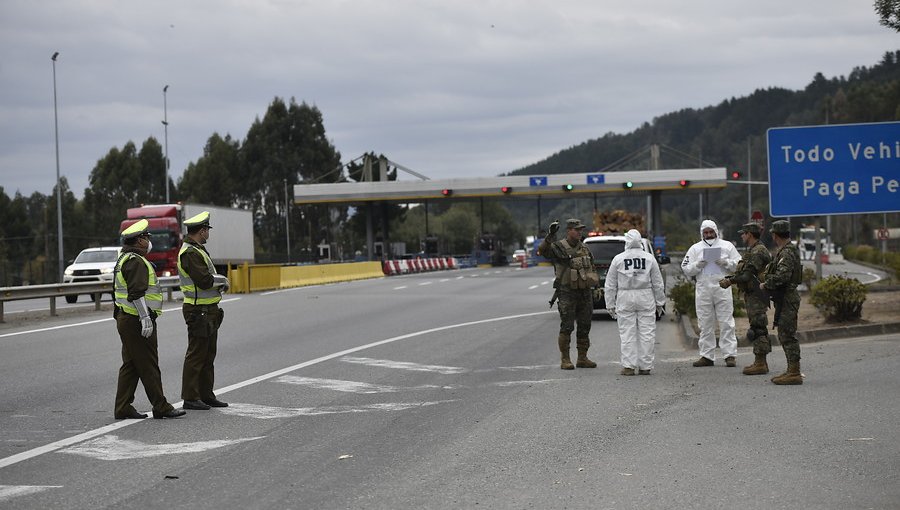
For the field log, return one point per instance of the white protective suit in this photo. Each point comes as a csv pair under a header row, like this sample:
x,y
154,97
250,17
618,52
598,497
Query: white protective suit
x,y
634,290
714,304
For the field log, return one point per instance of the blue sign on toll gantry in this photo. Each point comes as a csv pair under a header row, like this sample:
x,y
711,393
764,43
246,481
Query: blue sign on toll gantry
x,y
842,169
537,181
596,178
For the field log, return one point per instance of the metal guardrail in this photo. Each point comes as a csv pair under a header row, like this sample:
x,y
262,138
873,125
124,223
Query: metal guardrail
x,y
55,290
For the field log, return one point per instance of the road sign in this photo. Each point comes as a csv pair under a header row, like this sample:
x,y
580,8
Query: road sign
x,y
537,181
884,234
842,169
596,178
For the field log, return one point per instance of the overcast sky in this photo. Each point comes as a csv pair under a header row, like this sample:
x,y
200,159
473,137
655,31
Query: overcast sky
x,y
447,88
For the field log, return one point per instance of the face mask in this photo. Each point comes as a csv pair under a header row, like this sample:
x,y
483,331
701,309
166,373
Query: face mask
x,y
149,246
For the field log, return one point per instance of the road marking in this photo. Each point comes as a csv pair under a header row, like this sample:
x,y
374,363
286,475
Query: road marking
x,y
545,282
269,412
112,448
425,283
504,384
348,386
64,326
533,287
404,365
400,287
47,448
8,492
445,280
527,367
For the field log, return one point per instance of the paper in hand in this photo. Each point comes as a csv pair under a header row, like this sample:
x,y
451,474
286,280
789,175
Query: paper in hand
x,y
711,255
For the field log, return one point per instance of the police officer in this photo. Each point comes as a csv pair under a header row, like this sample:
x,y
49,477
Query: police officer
x,y
138,301
749,274
202,288
573,265
782,278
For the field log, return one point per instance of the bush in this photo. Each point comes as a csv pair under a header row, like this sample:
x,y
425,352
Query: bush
x,y
838,298
682,294
809,275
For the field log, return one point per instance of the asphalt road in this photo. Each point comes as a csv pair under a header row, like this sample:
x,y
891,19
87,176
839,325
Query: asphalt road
x,y
440,390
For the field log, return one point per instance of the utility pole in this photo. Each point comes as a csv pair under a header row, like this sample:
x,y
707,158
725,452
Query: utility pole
x,y
166,129
287,220
59,227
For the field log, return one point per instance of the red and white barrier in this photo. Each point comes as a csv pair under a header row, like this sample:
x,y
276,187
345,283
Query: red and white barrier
x,y
395,267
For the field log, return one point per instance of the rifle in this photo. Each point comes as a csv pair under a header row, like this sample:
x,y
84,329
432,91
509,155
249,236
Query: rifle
x,y
777,297
553,298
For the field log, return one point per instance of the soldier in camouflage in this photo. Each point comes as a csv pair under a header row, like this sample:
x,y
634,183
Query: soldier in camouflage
x,y
782,278
573,265
748,275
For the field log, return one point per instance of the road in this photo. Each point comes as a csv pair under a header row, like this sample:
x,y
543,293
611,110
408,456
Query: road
x,y
439,390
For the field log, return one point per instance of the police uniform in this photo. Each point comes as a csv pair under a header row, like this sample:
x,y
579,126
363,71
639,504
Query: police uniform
x,y
138,301
573,265
749,274
782,278
202,288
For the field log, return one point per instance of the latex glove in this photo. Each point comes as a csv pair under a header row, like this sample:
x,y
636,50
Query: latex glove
x,y
660,311
723,263
144,313
612,313
554,227
222,282
146,327
701,264
724,283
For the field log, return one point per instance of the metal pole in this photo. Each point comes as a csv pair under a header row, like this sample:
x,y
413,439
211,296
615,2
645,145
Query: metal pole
x,y
166,129
749,194
287,222
59,228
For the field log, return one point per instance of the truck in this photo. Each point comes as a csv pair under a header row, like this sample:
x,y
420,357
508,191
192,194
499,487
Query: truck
x,y
230,243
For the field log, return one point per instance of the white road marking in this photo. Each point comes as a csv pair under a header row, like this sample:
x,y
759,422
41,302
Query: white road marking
x,y
52,447
504,384
400,287
112,448
8,492
545,282
460,277
404,365
527,367
269,412
426,283
64,326
348,386
533,287
445,280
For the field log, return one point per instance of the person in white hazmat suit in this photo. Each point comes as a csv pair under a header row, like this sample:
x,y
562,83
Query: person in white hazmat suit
x,y
708,261
635,297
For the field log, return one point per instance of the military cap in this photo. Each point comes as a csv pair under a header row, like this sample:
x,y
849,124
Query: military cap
x,y
751,228
780,227
136,230
200,220
574,223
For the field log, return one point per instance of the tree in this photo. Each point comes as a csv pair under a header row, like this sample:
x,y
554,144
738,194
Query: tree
x,y
212,179
889,13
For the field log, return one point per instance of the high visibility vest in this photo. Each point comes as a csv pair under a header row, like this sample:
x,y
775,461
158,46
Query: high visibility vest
x,y
192,294
153,297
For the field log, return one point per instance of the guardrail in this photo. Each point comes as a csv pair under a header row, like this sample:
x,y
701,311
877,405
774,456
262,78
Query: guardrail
x,y
55,290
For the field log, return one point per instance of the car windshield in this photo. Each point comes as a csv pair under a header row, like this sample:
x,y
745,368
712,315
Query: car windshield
x,y
87,257
604,252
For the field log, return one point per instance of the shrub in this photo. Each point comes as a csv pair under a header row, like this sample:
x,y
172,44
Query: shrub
x,y
809,274
838,298
682,294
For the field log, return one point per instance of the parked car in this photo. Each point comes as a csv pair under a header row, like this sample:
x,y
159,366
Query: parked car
x,y
519,256
92,265
604,248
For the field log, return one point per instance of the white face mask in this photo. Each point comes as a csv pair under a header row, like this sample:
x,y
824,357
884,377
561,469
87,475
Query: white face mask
x,y
149,246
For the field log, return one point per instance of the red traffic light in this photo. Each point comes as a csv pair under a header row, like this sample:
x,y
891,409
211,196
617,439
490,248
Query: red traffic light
x,y
683,183
506,189
446,192
735,175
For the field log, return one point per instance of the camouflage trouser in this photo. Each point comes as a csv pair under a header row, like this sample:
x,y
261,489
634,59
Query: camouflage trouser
x,y
787,325
575,307
759,322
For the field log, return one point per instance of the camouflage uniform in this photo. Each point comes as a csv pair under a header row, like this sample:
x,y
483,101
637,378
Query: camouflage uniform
x,y
752,264
575,276
782,278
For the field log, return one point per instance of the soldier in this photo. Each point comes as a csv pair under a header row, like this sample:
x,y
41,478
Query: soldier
x,y
747,278
202,288
575,276
138,301
782,278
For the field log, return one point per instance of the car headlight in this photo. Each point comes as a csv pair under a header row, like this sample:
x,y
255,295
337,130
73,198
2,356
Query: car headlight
x,y
106,270
69,271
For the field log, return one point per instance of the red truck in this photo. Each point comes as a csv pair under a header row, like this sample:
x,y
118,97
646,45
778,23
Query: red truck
x,y
231,241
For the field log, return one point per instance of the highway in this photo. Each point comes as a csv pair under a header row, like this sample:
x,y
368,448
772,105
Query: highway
x,y
439,390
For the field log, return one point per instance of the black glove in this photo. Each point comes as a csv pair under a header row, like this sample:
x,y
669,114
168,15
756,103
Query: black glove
x,y
554,227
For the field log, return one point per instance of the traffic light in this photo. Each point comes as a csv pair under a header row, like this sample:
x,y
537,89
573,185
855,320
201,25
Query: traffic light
x,y
568,187
628,185
684,183
506,190
446,192
735,175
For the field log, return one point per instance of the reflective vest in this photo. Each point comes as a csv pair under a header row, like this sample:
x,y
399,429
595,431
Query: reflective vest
x,y
192,294
153,297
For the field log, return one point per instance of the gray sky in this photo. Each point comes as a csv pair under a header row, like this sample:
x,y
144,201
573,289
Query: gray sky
x,y
448,88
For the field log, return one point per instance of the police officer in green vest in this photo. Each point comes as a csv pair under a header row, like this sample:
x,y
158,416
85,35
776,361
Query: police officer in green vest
x,y
202,288
138,301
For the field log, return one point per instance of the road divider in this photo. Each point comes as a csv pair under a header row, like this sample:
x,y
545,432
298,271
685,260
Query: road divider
x,y
407,266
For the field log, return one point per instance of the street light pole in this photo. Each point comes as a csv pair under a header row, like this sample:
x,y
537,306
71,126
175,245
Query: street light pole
x,y
59,228
166,129
287,222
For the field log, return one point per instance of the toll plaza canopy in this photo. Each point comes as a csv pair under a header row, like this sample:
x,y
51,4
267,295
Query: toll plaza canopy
x,y
555,185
